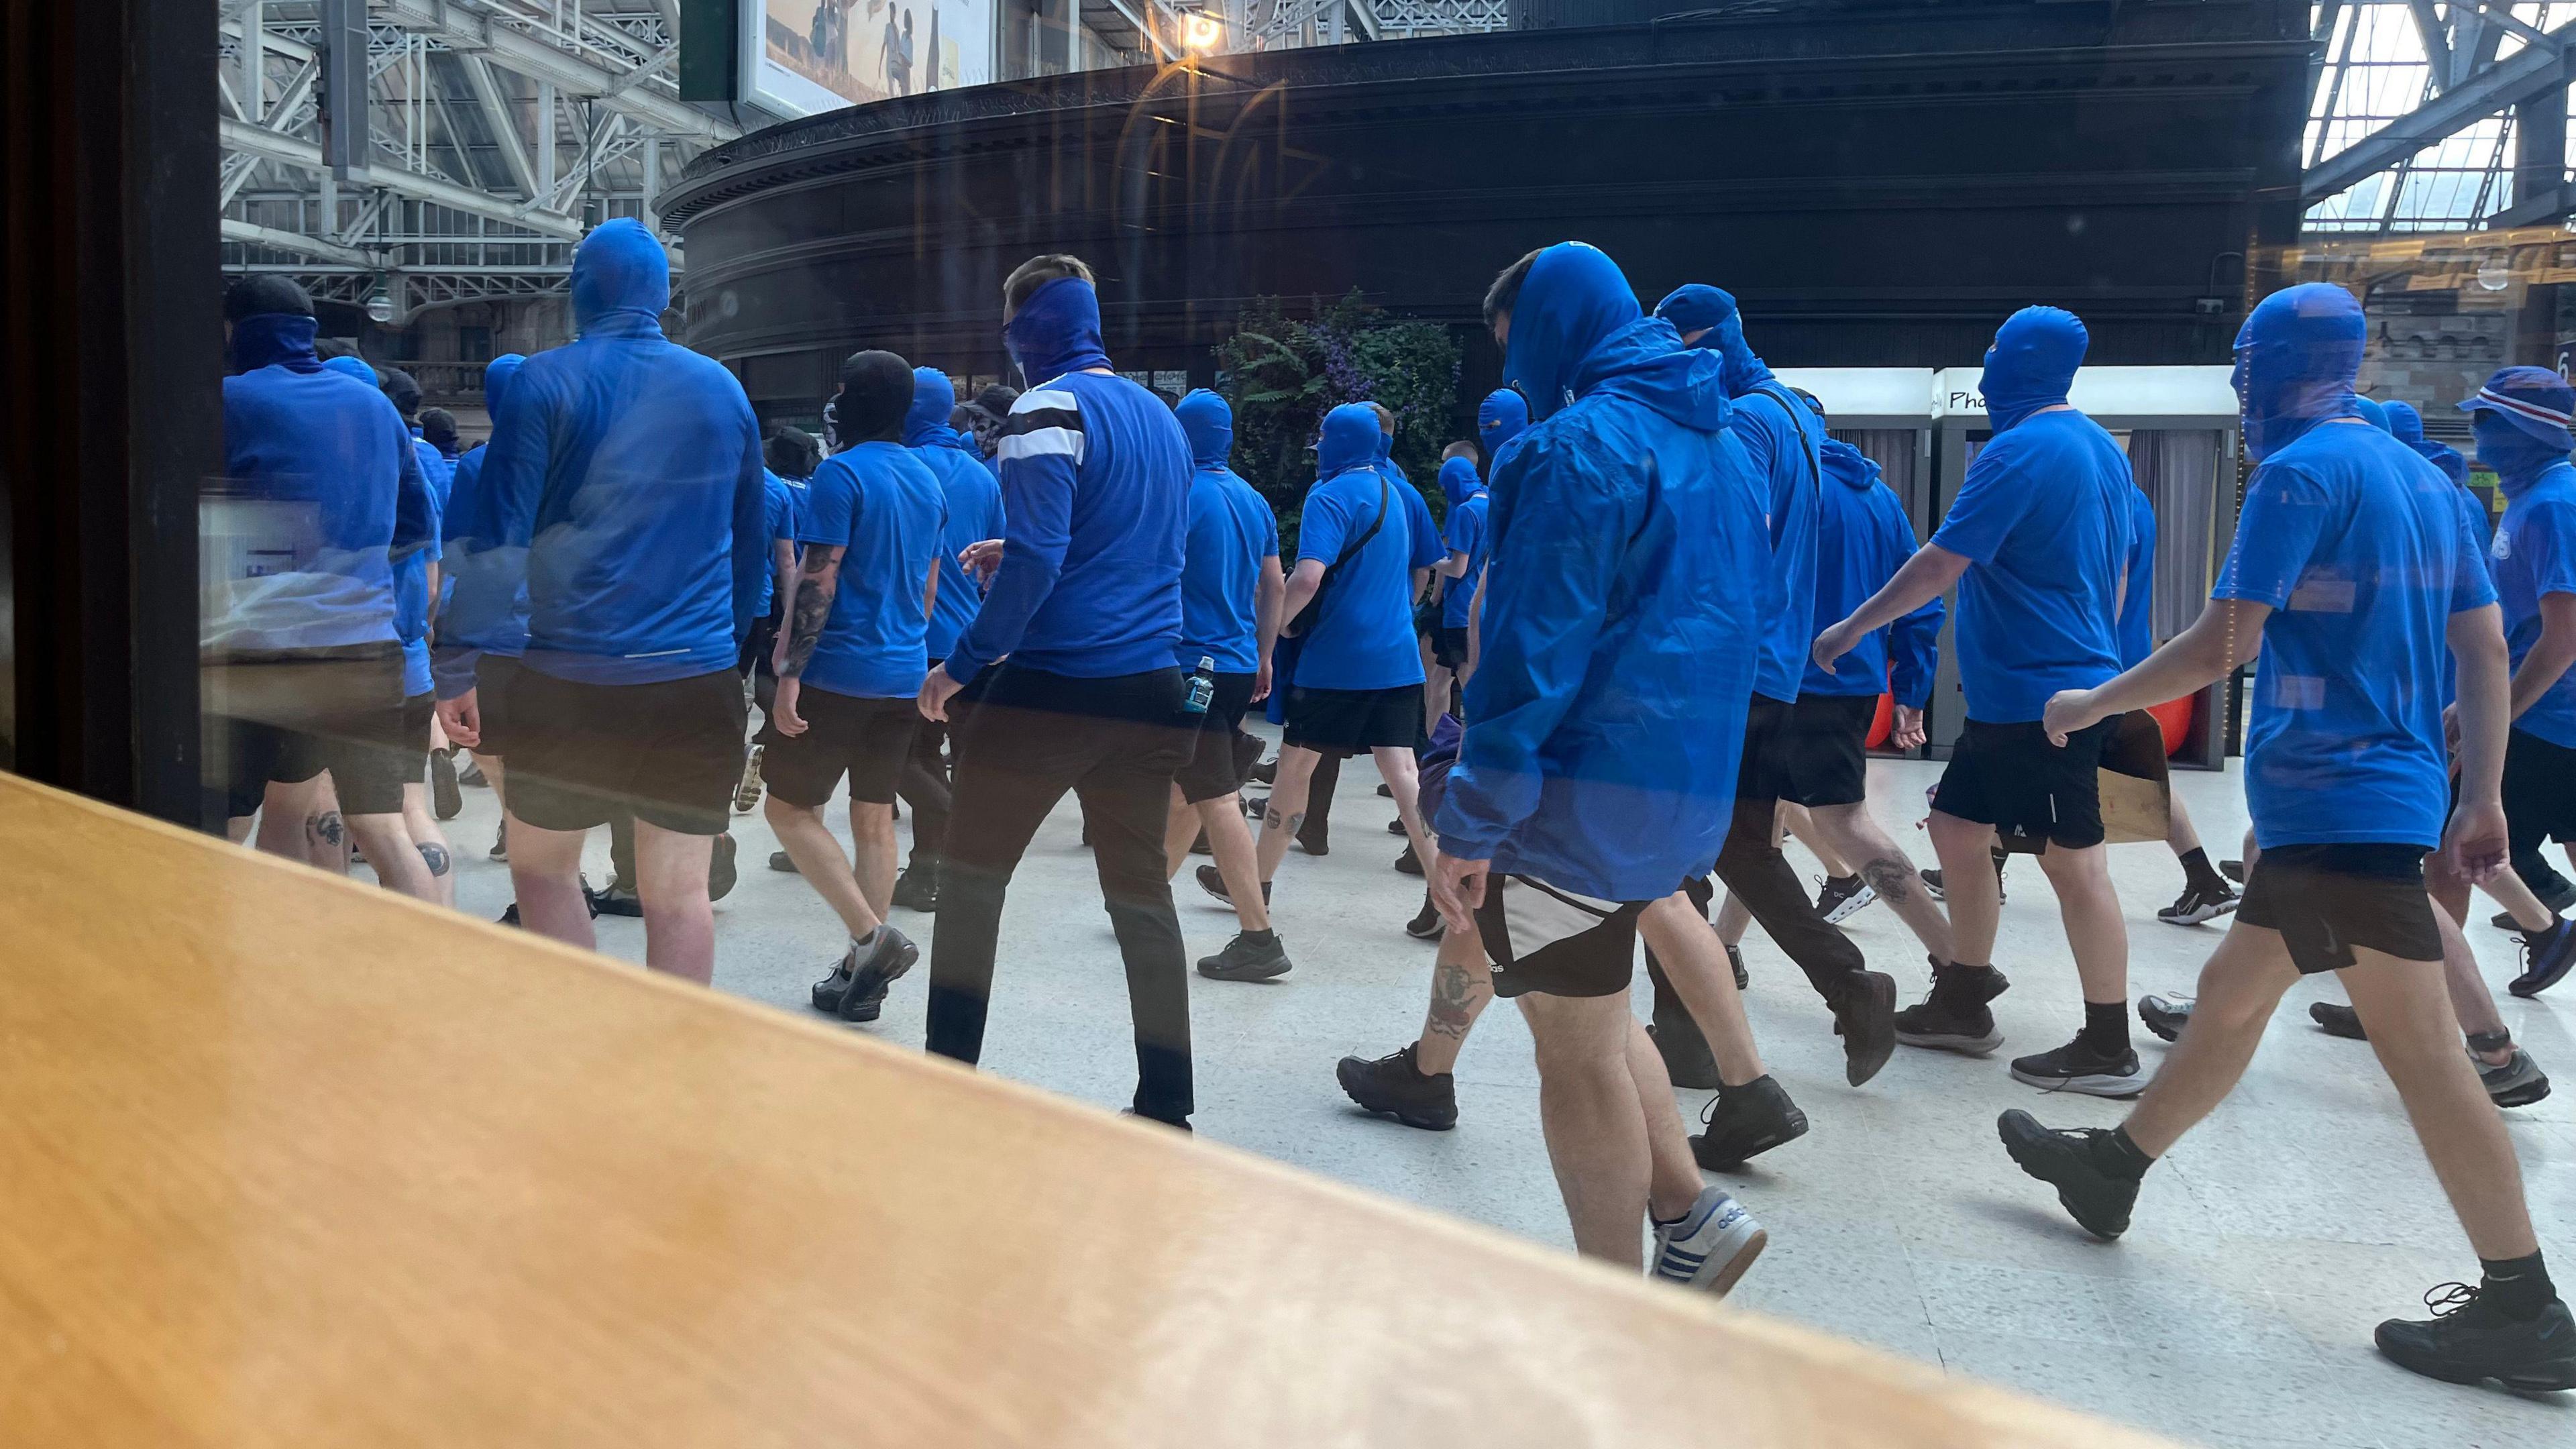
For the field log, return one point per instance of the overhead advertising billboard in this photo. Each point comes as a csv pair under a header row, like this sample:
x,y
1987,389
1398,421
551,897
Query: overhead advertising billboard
x,y
806,56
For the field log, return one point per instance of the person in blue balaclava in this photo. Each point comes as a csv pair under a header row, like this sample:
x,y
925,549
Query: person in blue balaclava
x,y
2038,541
849,678
1085,599
473,659
324,506
1618,642
974,498
1784,438
623,490
1501,417
2521,422
2352,573
2369,411
1231,591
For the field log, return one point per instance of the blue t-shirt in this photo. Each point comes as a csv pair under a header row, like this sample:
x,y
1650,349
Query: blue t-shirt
x,y
2535,555
1428,547
1467,536
2356,544
2044,517
2137,628
1231,532
1782,437
974,515
779,496
880,505
1364,637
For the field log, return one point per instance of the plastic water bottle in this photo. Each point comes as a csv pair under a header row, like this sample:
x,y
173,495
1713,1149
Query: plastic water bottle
x,y
1202,686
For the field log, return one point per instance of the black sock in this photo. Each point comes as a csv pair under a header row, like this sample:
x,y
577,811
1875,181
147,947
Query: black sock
x,y
2518,1287
2197,870
2106,1026
1263,936
2118,1154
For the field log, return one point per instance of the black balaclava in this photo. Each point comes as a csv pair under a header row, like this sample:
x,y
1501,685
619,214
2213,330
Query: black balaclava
x,y
265,294
876,392
403,390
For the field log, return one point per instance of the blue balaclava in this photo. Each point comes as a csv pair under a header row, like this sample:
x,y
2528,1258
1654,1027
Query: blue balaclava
x,y
2296,358
2372,413
1209,423
1711,312
1348,440
621,279
1847,465
1458,480
1500,418
354,367
498,374
1056,331
1574,299
2404,423
2031,364
1385,442
2521,421
269,339
934,397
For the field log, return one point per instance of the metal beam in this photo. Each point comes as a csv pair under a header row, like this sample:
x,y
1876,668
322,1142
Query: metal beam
x,y
295,151
498,119
2501,85
528,56
300,244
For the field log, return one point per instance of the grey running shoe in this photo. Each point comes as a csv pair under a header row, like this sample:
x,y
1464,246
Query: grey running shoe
x,y
2519,1082
2078,1067
873,974
2166,1016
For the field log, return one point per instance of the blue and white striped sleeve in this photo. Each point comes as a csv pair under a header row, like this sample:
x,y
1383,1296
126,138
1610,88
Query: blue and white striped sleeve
x,y
1042,446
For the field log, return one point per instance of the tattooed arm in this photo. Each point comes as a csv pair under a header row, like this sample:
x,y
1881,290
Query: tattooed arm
x,y
818,581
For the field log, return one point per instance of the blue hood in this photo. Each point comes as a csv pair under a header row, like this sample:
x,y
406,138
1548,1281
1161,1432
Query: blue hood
x,y
497,376
1848,465
351,367
621,279
2404,423
1711,311
1501,417
274,339
1458,480
2516,456
2373,414
1574,299
934,397
1348,440
2296,358
1210,425
1056,331
2031,364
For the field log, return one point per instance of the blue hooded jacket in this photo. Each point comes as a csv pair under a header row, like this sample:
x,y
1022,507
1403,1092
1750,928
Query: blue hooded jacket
x,y
323,496
462,640
974,502
623,487
1862,539
1095,485
1785,439
1469,512
1622,606
1232,530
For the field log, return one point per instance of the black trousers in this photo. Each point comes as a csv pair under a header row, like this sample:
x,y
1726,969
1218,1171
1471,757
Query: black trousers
x,y
924,785
1025,739
1760,876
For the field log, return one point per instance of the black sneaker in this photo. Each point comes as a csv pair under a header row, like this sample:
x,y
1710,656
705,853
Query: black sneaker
x,y
1838,896
470,775
893,955
2079,1067
446,800
917,889
1314,837
1386,792
1395,1087
1426,926
1214,884
2197,904
1267,772
721,871
509,915
2338,1020
1735,958
1395,826
1954,1017
834,989
617,900
1687,1060
1865,1016
1245,959
2166,1016
1932,884
780,860
2070,1161
1744,1122
2547,956
1408,863
2470,1341
2517,1082
2234,870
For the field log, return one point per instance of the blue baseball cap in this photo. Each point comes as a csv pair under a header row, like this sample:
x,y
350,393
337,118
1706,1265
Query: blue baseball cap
x,y
2535,399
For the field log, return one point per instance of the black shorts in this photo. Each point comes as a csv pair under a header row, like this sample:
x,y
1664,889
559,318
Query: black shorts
x,y
1555,942
493,676
866,738
754,659
1449,647
419,712
2035,794
1824,753
289,717
581,754
2539,791
2327,899
1213,771
1345,722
